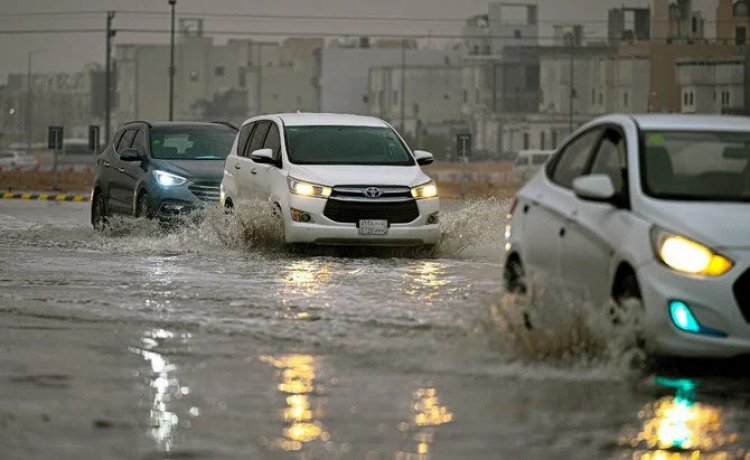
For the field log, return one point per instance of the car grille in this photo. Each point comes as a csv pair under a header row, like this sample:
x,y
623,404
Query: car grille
x,y
350,204
742,294
205,191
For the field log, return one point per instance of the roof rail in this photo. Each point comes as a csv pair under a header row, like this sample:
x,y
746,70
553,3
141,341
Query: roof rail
x,y
225,123
137,121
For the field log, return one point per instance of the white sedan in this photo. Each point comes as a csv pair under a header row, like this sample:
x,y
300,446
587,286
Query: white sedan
x,y
336,179
16,160
655,208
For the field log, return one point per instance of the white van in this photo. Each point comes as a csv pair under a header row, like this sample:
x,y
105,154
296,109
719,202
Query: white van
x,y
529,161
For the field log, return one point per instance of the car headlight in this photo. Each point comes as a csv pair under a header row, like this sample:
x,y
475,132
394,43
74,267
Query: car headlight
x,y
303,188
687,256
426,190
166,179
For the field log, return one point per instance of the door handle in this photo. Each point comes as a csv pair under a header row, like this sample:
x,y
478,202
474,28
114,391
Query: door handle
x,y
237,166
562,232
106,164
253,171
526,209
122,169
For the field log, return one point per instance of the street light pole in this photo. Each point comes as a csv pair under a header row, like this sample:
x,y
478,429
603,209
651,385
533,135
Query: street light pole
x,y
29,102
108,77
171,64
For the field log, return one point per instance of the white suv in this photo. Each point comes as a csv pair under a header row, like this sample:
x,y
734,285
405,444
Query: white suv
x,y
653,207
336,179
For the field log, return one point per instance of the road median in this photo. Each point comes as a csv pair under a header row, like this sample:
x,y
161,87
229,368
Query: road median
x,y
39,196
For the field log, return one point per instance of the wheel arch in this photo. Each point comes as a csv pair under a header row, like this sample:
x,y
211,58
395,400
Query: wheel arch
x,y
622,272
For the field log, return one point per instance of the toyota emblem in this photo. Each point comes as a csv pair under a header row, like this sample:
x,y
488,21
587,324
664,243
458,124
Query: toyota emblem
x,y
373,192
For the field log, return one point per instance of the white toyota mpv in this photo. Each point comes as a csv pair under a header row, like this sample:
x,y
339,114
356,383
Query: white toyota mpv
x,y
336,179
655,208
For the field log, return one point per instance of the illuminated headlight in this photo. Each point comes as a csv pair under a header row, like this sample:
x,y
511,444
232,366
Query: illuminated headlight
x,y
166,179
426,190
302,188
687,256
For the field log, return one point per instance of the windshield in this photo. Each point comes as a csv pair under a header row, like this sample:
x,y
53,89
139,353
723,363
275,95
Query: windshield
x,y
185,143
706,166
346,145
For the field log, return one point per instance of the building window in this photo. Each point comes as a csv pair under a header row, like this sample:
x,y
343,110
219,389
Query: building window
x,y
542,140
525,141
740,35
242,81
466,97
626,99
692,98
554,139
395,97
219,71
741,9
517,34
685,98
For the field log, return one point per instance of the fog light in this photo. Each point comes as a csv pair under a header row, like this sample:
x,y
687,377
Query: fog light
x,y
434,219
300,216
683,318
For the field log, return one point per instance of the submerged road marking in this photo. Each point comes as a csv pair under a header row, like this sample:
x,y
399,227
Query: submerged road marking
x,y
44,197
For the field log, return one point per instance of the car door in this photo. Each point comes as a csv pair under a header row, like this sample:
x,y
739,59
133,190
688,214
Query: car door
x,y
118,197
593,229
262,178
132,172
251,172
234,163
545,203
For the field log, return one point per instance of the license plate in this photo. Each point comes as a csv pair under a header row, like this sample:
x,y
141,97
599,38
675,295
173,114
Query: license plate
x,y
373,227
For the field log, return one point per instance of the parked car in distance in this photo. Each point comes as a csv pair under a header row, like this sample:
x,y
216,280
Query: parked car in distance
x,y
654,208
336,180
161,170
12,159
528,162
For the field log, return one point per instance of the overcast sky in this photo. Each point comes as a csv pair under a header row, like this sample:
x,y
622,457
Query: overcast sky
x,y
70,52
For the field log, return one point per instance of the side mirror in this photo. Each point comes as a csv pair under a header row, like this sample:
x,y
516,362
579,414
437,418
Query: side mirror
x,y
423,158
263,156
132,155
596,187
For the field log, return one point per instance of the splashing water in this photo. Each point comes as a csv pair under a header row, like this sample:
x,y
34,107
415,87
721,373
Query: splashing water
x,y
474,230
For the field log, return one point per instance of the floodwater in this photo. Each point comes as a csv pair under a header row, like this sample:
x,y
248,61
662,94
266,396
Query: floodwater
x,y
211,341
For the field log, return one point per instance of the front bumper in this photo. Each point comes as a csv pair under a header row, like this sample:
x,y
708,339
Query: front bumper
x,y
711,300
322,230
184,200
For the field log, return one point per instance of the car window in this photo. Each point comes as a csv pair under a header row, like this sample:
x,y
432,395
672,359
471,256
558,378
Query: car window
x,y
273,142
139,141
611,158
258,137
191,142
126,140
243,137
573,158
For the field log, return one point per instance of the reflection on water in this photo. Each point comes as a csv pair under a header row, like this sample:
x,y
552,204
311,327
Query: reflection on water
x,y
301,420
678,426
427,414
426,281
306,277
163,386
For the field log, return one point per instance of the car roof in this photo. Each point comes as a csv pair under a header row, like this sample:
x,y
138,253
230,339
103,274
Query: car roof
x,y
329,119
166,124
685,122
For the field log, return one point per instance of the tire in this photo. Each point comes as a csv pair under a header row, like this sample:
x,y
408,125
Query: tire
x,y
143,206
228,207
98,212
625,296
515,276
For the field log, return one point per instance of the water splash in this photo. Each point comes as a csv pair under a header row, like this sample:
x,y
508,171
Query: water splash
x,y
473,230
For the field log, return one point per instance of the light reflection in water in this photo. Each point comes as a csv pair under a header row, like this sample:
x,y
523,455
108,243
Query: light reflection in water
x,y
163,387
305,277
677,427
426,281
427,414
301,419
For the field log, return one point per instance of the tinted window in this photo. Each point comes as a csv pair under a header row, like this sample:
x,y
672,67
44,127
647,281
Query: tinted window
x,y
708,166
573,158
611,159
346,145
139,141
244,136
126,140
258,137
273,142
191,143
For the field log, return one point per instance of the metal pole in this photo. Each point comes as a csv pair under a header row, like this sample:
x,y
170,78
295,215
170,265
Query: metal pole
x,y
572,90
403,84
171,64
28,105
108,78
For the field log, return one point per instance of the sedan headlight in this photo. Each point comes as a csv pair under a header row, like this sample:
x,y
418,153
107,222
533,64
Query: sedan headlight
x,y
687,256
303,188
166,179
426,190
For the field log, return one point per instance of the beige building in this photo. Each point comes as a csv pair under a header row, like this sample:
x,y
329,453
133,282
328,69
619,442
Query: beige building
x,y
711,85
733,21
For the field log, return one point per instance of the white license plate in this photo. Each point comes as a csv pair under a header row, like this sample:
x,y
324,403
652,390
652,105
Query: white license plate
x,y
373,227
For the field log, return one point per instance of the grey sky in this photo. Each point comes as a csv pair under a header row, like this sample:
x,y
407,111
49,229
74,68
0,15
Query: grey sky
x,y
69,52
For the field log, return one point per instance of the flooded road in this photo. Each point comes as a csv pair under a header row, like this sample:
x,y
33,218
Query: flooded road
x,y
211,342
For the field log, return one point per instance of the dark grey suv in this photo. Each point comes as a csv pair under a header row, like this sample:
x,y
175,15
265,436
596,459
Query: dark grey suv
x,y
160,170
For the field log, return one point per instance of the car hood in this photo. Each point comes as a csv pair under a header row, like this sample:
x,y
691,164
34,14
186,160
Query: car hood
x,y
333,175
195,170
720,225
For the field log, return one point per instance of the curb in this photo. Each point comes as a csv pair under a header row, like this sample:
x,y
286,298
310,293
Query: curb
x,y
45,197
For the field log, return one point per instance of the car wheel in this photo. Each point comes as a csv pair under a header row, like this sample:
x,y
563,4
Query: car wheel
x,y
627,301
143,207
228,207
98,212
515,276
